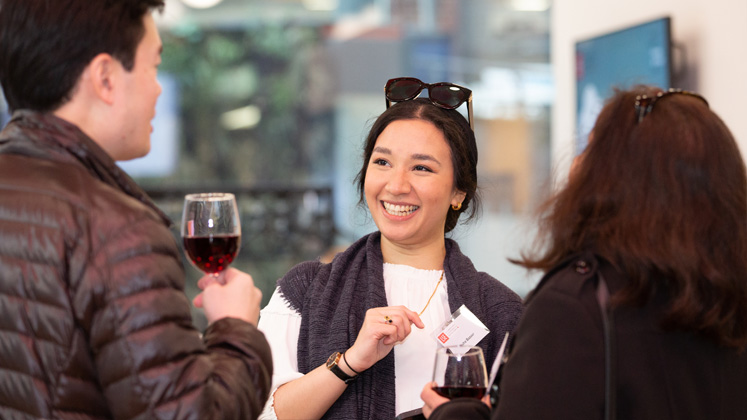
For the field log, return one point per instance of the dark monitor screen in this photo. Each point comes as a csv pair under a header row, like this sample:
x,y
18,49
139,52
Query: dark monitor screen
x,y
4,113
638,54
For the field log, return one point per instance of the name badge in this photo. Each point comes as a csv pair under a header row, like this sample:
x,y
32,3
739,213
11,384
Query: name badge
x,y
464,329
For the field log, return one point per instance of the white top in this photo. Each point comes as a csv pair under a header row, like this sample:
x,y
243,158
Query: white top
x,y
413,358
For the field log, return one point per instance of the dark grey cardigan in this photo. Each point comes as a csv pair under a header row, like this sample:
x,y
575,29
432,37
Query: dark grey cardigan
x,y
333,298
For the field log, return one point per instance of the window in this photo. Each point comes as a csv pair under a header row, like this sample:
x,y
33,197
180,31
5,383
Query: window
x,y
274,99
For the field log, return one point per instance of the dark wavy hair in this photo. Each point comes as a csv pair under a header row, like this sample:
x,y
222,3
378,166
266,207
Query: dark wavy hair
x,y
665,201
459,136
46,45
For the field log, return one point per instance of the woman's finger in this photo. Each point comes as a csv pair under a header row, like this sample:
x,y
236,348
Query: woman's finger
x,y
414,318
401,323
431,399
411,316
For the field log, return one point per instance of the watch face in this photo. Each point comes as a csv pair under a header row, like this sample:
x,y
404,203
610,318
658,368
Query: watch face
x,y
333,359
332,365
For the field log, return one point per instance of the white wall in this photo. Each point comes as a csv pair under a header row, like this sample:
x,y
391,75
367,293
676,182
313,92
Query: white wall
x,y
713,32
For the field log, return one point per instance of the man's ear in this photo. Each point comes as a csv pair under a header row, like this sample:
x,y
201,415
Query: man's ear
x,y
103,74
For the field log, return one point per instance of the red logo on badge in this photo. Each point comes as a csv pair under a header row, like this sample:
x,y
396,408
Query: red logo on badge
x,y
443,338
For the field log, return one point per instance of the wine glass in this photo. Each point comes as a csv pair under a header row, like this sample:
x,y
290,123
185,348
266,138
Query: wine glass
x,y
460,372
211,231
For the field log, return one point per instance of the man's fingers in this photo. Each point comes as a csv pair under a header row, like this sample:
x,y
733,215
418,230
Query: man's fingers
x,y
197,301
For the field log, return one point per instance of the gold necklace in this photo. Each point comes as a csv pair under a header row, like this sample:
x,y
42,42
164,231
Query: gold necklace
x,y
432,294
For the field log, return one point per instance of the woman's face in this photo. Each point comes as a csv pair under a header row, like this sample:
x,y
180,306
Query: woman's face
x,y
409,184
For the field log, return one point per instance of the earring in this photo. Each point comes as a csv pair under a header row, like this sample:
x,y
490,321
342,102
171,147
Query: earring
x,y
456,207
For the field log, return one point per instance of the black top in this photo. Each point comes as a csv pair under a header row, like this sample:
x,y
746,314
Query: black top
x,y
556,368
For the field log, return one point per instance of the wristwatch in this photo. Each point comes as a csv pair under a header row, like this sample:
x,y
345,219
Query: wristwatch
x,y
333,366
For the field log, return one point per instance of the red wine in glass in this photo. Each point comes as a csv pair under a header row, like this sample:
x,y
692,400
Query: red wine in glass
x,y
460,372
211,231
212,254
452,392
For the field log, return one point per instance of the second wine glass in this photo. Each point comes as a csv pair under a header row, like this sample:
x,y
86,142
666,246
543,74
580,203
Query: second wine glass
x,y
211,231
460,372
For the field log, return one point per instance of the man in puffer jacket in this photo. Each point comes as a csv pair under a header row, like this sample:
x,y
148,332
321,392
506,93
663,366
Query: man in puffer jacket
x,y
94,322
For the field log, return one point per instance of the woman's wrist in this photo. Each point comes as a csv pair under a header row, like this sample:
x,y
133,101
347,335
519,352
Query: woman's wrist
x,y
350,364
352,370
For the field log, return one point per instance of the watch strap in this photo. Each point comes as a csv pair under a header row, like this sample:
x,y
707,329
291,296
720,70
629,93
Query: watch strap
x,y
333,366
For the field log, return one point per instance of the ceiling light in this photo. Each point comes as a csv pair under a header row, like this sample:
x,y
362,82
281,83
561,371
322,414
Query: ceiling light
x,y
201,4
530,5
321,5
242,118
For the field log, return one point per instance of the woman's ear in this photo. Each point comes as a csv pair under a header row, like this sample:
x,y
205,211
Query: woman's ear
x,y
458,197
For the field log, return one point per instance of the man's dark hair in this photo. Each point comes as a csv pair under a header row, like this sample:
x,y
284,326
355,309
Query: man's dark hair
x,y
46,44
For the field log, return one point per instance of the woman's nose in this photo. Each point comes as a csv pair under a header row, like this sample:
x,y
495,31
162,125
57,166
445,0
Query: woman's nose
x,y
398,183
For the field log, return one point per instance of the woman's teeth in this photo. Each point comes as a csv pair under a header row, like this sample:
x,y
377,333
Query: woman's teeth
x,y
397,210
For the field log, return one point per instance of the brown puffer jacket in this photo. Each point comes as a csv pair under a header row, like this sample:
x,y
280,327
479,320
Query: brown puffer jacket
x,y
94,322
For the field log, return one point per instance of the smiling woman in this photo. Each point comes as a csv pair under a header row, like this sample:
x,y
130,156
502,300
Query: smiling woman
x,y
410,187
357,312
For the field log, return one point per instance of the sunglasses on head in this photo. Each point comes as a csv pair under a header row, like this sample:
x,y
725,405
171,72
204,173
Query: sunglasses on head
x,y
444,95
644,104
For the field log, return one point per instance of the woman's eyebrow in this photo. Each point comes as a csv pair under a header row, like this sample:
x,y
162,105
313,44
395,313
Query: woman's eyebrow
x,y
422,156
383,150
415,156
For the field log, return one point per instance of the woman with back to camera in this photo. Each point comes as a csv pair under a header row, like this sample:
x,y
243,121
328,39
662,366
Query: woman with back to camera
x,y
332,327
654,212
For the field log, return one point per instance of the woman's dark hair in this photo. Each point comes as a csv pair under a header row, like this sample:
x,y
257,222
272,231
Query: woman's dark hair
x,y
665,201
459,136
46,45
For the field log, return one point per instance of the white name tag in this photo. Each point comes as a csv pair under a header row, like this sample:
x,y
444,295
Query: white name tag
x,y
464,329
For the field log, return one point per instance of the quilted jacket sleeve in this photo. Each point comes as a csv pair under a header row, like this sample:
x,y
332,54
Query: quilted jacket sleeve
x,y
152,363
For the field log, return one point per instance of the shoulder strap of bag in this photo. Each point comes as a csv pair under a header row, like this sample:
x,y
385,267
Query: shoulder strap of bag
x,y
603,295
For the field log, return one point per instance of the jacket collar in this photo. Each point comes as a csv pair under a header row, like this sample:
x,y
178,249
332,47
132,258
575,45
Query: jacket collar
x,y
31,133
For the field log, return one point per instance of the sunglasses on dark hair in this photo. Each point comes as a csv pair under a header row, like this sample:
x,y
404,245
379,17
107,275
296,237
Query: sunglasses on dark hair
x,y
644,104
444,95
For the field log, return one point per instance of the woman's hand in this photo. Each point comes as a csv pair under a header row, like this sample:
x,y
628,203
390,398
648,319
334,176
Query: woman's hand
x,y
431,399
382,329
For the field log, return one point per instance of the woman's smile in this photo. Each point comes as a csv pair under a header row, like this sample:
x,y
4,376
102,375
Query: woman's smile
x,y
398,209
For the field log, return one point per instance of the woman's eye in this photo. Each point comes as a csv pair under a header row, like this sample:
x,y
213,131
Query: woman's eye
x,y
380,162
422,168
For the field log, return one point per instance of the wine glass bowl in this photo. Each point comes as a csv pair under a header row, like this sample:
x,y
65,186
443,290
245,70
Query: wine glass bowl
x,y
211,231
460,372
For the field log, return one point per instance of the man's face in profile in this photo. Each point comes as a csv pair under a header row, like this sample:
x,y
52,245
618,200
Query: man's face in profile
x,y
141,90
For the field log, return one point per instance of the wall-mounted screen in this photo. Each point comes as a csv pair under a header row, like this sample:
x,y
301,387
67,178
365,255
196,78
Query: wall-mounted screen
x,y
4,113
639,54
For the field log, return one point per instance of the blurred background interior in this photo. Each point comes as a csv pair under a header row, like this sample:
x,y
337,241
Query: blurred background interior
x,y
272,100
